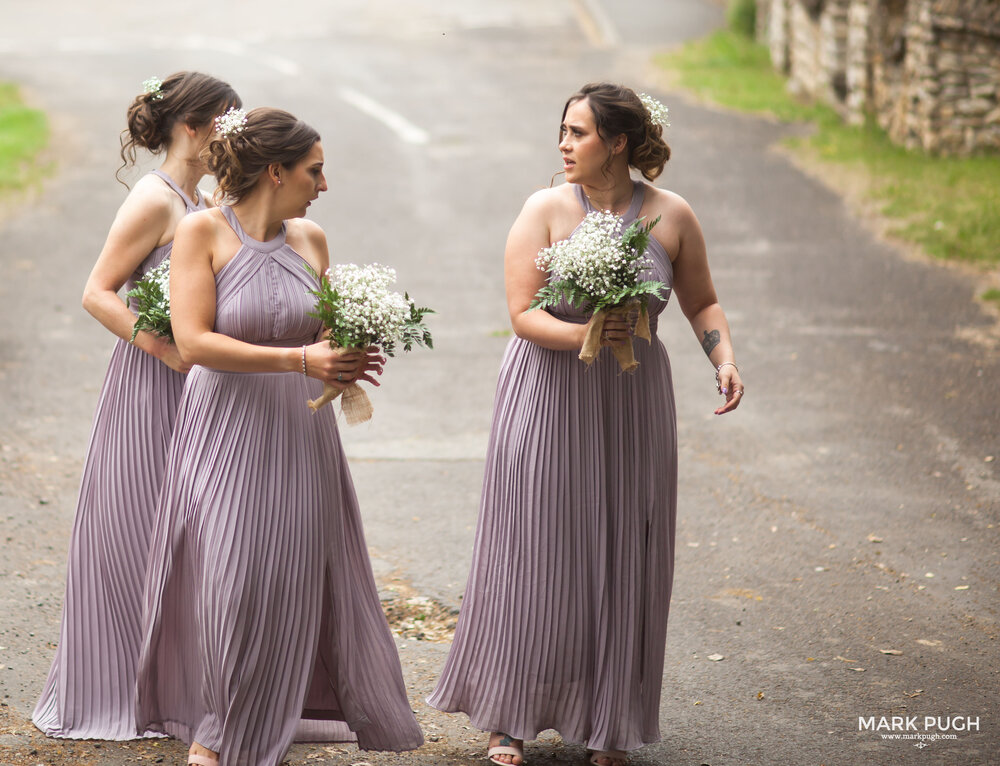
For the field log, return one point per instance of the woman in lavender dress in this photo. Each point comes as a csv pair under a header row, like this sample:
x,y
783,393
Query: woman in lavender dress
x,y
261,607
564,619
90,688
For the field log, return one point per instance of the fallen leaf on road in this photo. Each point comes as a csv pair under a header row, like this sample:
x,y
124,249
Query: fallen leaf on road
x,y
859,670
874,539
916,693
843,659
928,642
961,587
760,695
894,652
715,657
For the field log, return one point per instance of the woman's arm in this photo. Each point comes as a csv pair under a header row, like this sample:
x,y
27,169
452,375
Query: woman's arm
x,y
523,279
143,221
696,296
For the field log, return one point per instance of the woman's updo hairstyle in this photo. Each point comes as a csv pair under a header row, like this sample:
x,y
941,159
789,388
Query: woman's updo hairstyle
x,y
192,98
619,111
269,136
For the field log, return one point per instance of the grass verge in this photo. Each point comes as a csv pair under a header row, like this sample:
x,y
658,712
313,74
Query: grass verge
x,y
947,206
24,133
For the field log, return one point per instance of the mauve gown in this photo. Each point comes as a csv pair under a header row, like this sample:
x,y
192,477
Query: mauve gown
x,y
90,691
564,618
261,606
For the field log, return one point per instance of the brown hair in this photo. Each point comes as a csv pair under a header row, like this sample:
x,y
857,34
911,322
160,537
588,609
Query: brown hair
x,y
191,97
618,111
270,136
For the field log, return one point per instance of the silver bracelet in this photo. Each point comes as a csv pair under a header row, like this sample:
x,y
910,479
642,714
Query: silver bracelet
x,y
719,368
303,360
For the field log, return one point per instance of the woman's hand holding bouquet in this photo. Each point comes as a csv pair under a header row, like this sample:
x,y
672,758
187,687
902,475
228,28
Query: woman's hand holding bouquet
x,y
361,318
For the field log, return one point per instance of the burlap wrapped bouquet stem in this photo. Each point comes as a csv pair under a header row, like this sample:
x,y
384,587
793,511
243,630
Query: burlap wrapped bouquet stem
x,y
633,312
355,404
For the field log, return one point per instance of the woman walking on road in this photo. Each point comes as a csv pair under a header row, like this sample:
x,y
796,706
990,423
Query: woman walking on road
x,y
563,623
90,692
261,605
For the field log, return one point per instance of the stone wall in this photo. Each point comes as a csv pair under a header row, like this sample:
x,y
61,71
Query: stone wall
x,y
928,70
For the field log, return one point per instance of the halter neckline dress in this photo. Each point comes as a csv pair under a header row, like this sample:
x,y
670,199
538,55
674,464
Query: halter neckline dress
x,y
564,617
262,615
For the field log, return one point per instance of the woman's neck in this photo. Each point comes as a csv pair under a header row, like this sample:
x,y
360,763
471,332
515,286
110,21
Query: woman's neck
x,y
184,172
257,217
615,194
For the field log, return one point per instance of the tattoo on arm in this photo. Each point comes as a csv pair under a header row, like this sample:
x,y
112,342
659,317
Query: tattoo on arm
x,y
710,341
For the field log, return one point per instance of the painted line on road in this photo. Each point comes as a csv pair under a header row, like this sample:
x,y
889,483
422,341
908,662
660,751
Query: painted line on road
x,y
398,124
596,24
237,49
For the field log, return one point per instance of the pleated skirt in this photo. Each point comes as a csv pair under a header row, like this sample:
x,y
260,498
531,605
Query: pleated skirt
x,y
563,622
262,614
90,690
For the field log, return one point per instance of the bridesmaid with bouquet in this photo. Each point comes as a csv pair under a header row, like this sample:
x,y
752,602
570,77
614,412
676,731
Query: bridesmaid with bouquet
x,y
90,691
564,619
262,615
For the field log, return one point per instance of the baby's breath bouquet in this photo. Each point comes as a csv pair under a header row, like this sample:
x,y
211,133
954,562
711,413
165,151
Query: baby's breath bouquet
x,y
151,300
598,269
358,309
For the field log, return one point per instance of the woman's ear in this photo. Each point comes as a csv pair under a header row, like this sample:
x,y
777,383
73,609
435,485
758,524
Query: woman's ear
x,y
274,173
619,144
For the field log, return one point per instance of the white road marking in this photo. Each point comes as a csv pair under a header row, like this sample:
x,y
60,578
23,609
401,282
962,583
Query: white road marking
x,y
398,124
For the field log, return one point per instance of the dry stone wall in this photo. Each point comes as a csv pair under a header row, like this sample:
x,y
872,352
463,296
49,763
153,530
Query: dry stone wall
x,y
928,70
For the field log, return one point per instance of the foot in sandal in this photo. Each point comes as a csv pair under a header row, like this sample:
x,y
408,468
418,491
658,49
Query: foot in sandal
x,y
202,756
505,750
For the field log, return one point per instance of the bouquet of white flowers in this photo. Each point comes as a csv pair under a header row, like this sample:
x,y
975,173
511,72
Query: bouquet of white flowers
x,y
151,299
358,309
598,269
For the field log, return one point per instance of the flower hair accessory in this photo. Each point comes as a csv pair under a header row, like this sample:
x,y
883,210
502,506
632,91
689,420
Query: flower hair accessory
x,y
154,87
231,123
658,112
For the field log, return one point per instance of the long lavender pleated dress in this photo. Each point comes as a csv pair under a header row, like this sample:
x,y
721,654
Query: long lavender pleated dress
x,y
261,606
563,623
90,691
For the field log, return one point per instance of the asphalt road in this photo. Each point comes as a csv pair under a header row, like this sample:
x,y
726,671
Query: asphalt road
x,y
837,536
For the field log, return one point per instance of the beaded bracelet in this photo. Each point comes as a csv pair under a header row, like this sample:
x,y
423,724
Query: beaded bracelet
x,y
303,360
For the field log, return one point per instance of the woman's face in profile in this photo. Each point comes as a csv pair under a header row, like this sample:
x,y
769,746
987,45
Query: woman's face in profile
x,y
305,181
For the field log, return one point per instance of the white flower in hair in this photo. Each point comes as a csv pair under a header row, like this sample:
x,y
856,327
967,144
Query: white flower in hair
x,y
231,123
154,87
658,112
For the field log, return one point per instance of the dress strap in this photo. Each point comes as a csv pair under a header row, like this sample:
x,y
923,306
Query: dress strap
x,y
191,205
638,195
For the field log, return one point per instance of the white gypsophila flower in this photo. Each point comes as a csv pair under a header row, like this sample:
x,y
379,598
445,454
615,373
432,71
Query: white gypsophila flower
x,y
366,303
594,258
161,276
231,123
154,87
658,112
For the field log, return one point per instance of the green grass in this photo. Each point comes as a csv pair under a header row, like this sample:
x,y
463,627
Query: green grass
x,y
992,295
24,133
945,205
